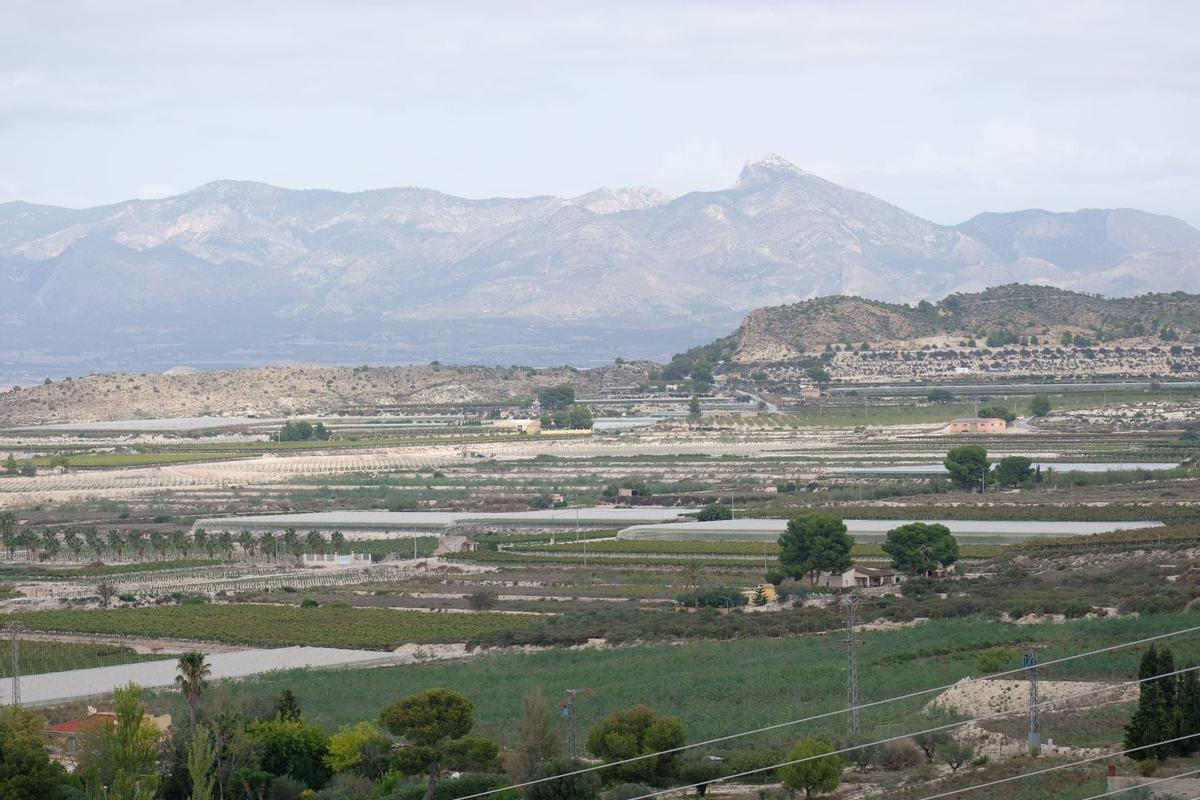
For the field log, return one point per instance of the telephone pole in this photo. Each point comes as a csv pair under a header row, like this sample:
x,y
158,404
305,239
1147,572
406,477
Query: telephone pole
x,y
1035,720
850,606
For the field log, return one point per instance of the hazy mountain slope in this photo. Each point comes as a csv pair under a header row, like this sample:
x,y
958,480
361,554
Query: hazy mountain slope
x,y
237,272
780,333
278,391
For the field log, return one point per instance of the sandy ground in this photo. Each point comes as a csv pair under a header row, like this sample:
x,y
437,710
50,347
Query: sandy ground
x,y
981,698
55,687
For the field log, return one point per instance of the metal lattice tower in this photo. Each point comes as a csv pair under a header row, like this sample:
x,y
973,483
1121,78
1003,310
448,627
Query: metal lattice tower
x,y
568,711
14,632
1035,720
850,605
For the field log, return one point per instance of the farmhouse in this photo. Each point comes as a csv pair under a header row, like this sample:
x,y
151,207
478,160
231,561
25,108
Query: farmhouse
x,y
977,425
65,735
518,425
858,577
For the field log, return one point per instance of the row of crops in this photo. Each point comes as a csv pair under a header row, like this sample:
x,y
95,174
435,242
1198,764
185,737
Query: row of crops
x,y
270,625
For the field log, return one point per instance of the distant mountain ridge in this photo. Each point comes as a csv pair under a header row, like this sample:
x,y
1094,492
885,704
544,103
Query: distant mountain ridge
x,y
237,273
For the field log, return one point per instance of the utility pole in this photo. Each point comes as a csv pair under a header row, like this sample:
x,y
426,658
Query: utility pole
x,y
14,631
850,606
568,712
1035,720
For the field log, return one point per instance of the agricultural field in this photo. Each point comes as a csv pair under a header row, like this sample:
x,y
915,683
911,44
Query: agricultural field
x,y
41,656
718,687
326,626
106,559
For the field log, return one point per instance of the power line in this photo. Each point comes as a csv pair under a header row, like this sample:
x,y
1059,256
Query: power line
x,y
828,714
1035,718
936,729
850,603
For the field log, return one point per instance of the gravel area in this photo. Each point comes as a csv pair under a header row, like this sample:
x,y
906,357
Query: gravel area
x,y
56,687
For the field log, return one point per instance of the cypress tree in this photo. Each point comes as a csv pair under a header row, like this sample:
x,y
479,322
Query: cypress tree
x,y
1166,685
1188,704
1154,720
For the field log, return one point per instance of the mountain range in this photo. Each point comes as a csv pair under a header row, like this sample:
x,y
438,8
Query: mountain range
x,y
238,273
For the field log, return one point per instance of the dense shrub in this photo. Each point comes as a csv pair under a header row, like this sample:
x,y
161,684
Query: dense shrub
x,y
713,597
901,754
763,760
448,789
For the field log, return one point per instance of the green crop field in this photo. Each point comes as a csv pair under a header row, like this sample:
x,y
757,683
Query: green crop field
x,y
771,549
269,625
872,410
722,687
114,460
39,656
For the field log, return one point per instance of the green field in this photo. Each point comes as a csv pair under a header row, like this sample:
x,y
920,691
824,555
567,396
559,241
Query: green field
x,y
115,460
771,549
25,571
42,656
721,687
271,626
871,410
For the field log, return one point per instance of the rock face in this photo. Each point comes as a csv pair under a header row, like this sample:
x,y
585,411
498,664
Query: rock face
x,y
237,273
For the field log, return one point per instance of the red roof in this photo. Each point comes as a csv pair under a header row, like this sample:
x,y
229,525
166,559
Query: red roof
x,y
73,725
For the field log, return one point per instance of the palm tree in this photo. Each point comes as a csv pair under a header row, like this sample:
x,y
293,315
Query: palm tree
x,y
8,532
226,539
116,545
50,545
192,680
315,542
94,542
246,542
179,543
28,541
137,543
291,542
158,543
337,540
268,545
74,543
200,537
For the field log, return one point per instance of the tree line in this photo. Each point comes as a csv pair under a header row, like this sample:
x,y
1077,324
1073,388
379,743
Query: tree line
x,y
51,544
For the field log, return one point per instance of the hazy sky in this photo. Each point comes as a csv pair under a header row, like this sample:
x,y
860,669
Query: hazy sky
x,y
946,109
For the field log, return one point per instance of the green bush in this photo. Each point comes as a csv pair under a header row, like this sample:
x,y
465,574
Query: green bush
x,y
763,760
713,597
995,659
448,789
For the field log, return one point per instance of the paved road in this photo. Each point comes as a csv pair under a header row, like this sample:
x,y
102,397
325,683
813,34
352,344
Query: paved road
x,y
56,687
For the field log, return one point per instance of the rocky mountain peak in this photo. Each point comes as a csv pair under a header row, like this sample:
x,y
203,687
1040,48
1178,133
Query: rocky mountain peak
x,y
770,167
609,201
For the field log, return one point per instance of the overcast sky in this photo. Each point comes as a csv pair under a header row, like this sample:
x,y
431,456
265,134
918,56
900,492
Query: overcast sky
x,y
946,109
